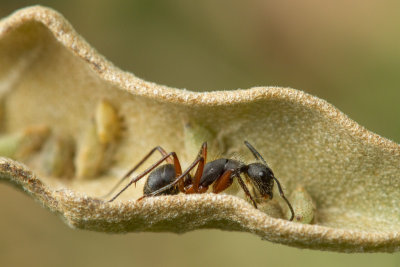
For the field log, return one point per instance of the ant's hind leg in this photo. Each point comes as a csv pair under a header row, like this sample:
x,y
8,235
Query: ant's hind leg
x,y
157,148
148,170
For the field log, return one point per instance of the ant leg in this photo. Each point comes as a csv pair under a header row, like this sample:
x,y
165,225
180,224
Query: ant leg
x,y
245,189
203,151
148,170
199,161
226,180
178,170
199,172
223,182
162,152
283,196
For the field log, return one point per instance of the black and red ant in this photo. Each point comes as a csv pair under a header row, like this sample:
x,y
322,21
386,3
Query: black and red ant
x,y
168,179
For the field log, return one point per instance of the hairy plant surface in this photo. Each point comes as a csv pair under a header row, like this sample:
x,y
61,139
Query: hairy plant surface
x,y
51,79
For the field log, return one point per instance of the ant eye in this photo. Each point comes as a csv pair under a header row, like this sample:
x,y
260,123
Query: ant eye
x,y
262,174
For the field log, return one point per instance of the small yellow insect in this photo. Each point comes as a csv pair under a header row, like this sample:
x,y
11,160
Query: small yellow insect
x,y
57,156
95,145
107,122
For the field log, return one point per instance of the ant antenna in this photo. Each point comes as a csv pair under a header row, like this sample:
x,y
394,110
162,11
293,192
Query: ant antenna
x,y
259,157
283,196
255,152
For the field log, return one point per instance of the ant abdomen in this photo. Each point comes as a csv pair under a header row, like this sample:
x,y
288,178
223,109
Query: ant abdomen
x,y
159,178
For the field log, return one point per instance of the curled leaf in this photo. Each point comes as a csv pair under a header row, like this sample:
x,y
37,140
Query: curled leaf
x,y
58,79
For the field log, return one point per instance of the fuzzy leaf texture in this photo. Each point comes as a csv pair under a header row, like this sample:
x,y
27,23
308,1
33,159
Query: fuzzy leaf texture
x,y
96,121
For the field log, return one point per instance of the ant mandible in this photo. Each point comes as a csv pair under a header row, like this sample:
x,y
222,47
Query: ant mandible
x,y
168,179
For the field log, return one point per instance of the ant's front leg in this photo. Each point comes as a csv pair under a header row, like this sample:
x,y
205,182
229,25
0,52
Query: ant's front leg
x,y
223,182
226,180
245,189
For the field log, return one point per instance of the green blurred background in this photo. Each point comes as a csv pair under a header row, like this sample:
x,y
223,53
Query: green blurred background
x,y
346,52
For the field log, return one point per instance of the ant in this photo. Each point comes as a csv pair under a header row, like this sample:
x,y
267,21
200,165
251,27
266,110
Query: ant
x,y
168,179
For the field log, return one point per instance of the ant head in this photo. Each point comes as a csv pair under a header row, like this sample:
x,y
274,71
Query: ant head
x,y
262,178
